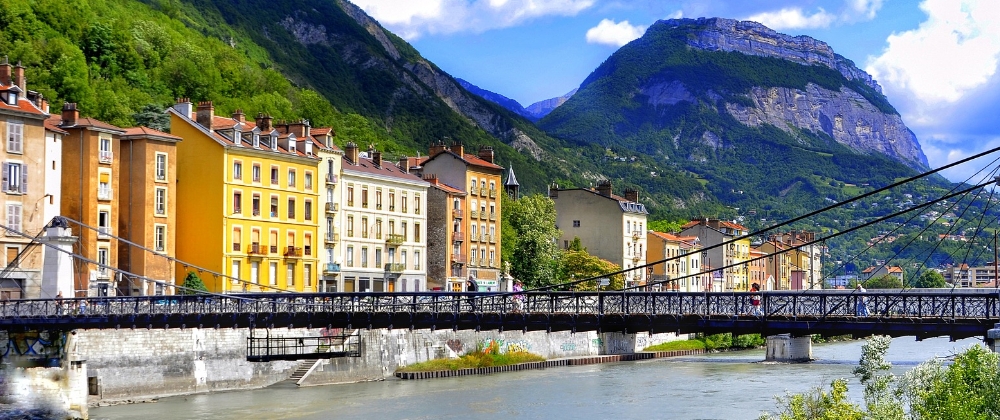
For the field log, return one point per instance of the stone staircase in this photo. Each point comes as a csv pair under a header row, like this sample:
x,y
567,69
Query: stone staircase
x,y
302,371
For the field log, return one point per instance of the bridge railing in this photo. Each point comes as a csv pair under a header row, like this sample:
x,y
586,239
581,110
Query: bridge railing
x,y
921,304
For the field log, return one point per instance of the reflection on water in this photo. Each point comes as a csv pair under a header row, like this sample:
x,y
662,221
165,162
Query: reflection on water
x,y
732,385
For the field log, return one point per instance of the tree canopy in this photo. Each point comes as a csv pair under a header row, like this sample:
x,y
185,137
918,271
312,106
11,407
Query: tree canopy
x,y
929,279
530,242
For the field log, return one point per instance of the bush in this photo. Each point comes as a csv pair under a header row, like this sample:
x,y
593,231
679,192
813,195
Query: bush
x,y
193,285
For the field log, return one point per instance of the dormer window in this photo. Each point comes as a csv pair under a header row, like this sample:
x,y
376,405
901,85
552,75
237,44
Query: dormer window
x,y
256,141
274,141
12,98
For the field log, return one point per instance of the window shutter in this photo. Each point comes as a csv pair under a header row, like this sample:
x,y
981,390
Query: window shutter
x,y
105,177
24,179
6,176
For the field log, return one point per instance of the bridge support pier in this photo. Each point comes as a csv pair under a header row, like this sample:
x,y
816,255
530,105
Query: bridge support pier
x,y
992,335
785,348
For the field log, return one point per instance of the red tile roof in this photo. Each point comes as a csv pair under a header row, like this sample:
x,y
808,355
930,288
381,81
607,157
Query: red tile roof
x,y
23,104
94,123
52,124
148,132
387,168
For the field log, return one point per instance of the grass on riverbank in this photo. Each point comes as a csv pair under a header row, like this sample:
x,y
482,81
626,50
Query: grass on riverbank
x,y
728,341
481,357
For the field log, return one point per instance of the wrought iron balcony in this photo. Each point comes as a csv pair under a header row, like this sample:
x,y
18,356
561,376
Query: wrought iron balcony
x,y
104,231
331,237
394,240
395,268
105,156
635,236
331,179
331,207
293,252
456,213
105,193
493,215
331,268
256,250
493,193
458,258
474,214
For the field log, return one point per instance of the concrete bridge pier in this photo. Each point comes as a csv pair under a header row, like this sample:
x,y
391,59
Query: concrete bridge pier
x,y
991,337
785,348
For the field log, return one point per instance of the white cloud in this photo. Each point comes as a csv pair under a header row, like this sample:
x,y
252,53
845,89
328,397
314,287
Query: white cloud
x,y
676,15
794,18
952,53
865,8
617,34
412,18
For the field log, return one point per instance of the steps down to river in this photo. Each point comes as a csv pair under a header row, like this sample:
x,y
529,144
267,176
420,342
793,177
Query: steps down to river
x,y
573,361
304,368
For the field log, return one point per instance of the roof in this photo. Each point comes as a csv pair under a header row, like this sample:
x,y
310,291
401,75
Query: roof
x,y
52,124
511,179
222,131
626,205
725,224
387,168
146,132
435,183
467,158
23,104
93,123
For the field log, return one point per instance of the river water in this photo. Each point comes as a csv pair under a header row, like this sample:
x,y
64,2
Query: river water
x,y
731,385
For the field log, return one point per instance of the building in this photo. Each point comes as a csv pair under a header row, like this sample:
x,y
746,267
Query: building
x,y
479,177
446,250
254,232
90,167
28,190
875,272
777,267
682,269
963,275
384,241
148,219
611,227
758,268
805,258
331,159
726,261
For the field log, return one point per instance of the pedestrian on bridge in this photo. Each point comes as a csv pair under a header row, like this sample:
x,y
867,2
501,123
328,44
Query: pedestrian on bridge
x,y
518,296
472,286
755,299
862,309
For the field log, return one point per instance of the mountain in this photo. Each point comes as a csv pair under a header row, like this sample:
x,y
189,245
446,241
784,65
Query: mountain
x,y
763,120
509,104
542,108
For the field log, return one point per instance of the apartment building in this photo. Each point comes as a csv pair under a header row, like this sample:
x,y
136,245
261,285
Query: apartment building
x,y
681,271
875,272
480,179
725,261
611,227
247,197
777,267
331,162
446,251
26,190
147,200
385,221
90,183
805,259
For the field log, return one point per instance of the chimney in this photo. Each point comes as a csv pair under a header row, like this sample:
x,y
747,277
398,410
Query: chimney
x,y
239,116
604,188
458,149
183,107
264,123
351,152
43,104
4,72
376,157
205,114
404,164
436,148
19,77
554,190
632,195
486,153
69,114
300,128
431,178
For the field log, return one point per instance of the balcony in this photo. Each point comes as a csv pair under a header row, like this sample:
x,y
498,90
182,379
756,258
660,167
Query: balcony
x,y
483,215
458,258
331,179
308,250
473,191
472,262
394,268
493,238
105,156
103,232
493,216
493,193
474,214
456,213
273,249
331,207
105,193
331,268
457,237
293,252
635,236
256,250
483,237
331,237
394,240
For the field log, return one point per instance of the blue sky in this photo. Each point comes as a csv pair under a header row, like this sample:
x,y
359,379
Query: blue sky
x,y
937,60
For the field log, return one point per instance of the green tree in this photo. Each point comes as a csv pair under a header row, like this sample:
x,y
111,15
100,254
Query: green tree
x,y
576,245
534,256
819,404
193,284
885,282
929,279
578,264
666,226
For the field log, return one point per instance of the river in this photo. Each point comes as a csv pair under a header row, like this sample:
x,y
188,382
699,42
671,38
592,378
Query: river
x,y
729,385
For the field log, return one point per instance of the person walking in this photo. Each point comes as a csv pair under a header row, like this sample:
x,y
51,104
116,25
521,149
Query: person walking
x,y
472,286
862,309
518,296
755,299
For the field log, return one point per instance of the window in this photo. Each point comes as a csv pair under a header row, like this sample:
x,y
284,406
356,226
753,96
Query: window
x,y
402,228
402,258
102,260
416,260
104,149
392,200
307,274
403,203
364,257
416,204
255,272
237,170
378,257
256,204
161,167
350,226
309,181
274,206
103,222
492,256
378,228
160,204
378,200
364,227
576,223
291,178
274,175
15,178
416,232
290,274
272,274
291,208
13,218
256,172
15,136
308,211
160,238
237,239
364,197
349,261
104,186
350,195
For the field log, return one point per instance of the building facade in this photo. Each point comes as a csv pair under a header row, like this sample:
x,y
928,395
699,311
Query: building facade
x,y
331,161
726,261
385,221
247,198
611,227
446,253
681,270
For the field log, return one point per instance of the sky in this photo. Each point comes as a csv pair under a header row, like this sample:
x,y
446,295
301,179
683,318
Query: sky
x,y
936,60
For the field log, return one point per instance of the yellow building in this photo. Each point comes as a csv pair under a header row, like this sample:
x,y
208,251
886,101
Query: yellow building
x,y
247,196
725,262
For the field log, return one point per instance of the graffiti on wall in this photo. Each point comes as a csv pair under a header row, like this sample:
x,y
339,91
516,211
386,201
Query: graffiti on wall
x,y
33,344
568,346
500,345
619,344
